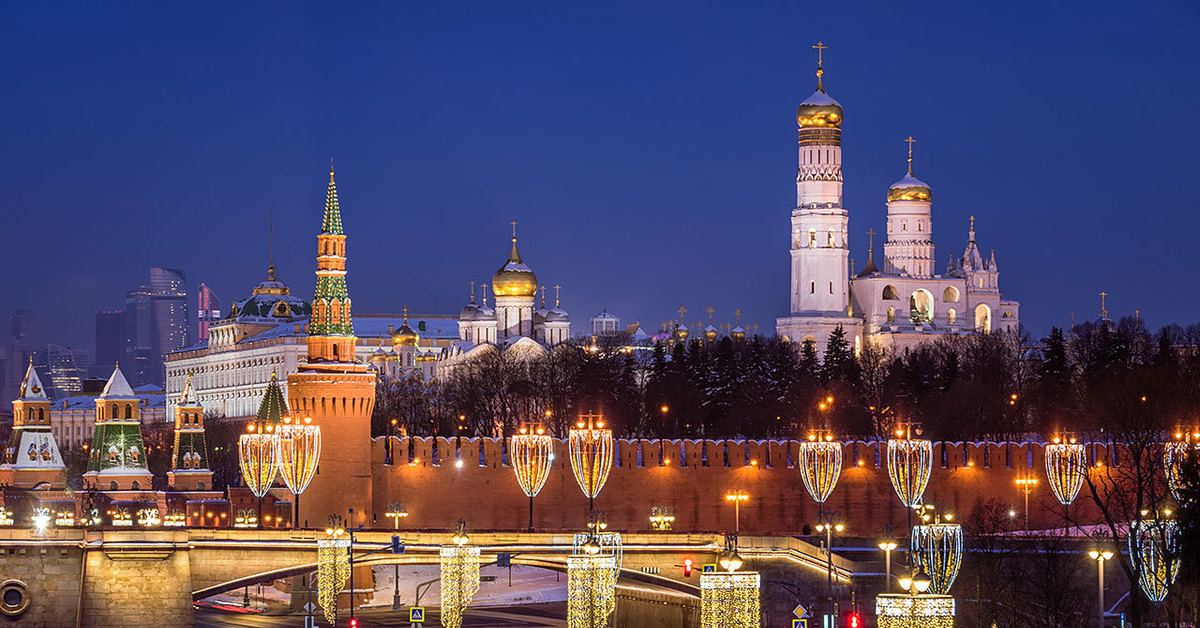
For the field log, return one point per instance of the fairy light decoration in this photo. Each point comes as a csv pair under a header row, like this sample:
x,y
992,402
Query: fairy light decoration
x,y
937,547
820,465
1154,549
298,450
1066,465
459,576
532,454
910,461
1174,454
591,449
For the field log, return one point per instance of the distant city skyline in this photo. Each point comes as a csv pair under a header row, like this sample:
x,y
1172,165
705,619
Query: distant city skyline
x,y
649,163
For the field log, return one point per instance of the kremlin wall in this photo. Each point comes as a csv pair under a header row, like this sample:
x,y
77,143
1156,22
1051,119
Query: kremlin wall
x,y
692,477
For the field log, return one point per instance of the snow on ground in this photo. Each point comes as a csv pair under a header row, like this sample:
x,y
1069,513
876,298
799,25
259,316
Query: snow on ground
x,y
530,585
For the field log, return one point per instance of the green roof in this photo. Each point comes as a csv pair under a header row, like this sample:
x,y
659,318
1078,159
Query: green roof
x,y
273,405
332,224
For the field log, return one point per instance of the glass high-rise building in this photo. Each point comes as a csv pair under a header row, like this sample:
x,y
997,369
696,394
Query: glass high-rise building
x,y
208,311
66,370
26,342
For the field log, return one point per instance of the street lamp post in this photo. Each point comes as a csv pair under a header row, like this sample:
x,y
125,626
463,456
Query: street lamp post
x,y
887,547
1026,482
737,497
1100,557
829,526
396,512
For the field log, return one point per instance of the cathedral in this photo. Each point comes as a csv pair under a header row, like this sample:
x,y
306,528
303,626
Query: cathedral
x,y
900,301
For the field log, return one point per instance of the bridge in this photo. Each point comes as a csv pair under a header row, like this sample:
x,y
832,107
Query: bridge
x,y
127,577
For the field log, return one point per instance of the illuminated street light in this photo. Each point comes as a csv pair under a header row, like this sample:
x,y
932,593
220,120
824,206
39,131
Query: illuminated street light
x,y
829,525
887,546
737,497
661,518
1026,483
1100,557
396,512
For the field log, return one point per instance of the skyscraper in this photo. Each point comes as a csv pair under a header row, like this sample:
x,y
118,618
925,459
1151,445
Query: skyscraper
x,y
67,368
110,342
138,354
208,311
25,343
168,288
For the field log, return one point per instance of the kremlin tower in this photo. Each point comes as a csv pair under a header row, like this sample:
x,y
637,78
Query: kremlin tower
x,y
32,461
118,455
332,388
189,455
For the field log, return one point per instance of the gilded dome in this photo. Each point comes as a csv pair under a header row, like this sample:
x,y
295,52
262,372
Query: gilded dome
x,y
514,279
405,336
819,110
910,188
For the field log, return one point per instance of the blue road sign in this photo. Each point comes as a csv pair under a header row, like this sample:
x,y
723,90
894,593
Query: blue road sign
x,y
708,568
800,623
416,613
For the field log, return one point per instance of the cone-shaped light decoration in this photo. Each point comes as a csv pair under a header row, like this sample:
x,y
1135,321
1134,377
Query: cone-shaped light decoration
x,y
531,453
257,454
820,465
460,576
591,454
937,548
1154,548
909,463
299,451
1173,456
1066,466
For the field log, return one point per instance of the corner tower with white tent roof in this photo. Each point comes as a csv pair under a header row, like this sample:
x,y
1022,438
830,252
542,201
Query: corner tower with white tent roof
x,y
31,460
117,460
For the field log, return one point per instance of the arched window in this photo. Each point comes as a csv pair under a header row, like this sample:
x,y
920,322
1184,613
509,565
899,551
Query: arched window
x,y
135,486
812,238
42,417
112,486
950,295
920,307
115,413
891,314
889,293
983,318
830,242
335,350
129,411
200,485
1006,314
951,316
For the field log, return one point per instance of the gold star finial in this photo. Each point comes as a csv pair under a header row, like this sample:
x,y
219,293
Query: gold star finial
x,y
910,141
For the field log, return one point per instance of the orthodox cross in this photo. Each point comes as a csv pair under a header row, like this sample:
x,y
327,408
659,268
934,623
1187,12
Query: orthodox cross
x,y
755,328
484,287
405,308
1103,309
543,297
682,310
514,228
738,314
871,239
710,311
556,289
472,292
910,141
820,47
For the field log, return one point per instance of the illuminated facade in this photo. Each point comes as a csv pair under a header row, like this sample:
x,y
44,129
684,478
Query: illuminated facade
x,y
901,304
31,459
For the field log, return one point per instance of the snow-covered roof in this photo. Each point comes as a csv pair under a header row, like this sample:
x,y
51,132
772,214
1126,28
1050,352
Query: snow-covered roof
x,y
117,386
31,386
820,98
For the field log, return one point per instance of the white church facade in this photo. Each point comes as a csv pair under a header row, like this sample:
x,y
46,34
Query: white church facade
x,y
901,304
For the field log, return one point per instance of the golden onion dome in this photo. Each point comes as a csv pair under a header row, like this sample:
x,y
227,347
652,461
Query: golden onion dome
x,y
910,188
514,279
819,110
405,336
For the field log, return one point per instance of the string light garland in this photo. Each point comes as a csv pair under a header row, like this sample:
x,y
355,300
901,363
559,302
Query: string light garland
x,y
820,465
298,450
898,610
591,448
1066,465
6,517
1154,547
333,569
910,461
729,600
937,548
460,576
531,453
591,590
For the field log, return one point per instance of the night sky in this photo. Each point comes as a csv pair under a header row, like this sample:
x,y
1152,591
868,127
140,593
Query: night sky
x,y
647,149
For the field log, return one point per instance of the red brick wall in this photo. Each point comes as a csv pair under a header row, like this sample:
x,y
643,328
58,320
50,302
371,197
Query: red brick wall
x,y
487,495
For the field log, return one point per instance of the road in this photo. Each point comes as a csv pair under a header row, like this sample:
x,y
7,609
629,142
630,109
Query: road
x,y
525,616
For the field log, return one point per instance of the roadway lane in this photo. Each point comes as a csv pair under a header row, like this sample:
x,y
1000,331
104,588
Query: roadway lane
x,y
526,616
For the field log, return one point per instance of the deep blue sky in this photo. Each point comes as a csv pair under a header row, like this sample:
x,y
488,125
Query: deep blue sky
x,y
647,149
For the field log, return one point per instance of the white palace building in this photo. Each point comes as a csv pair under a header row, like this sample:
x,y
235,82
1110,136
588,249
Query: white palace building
x,y
902,303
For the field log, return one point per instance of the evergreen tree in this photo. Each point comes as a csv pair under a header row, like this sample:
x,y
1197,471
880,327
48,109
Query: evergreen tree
x,y
839,364
809,363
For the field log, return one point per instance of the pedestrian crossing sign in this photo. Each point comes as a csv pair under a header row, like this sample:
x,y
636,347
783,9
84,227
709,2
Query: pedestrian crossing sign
x,y
416,613
708,568
800,623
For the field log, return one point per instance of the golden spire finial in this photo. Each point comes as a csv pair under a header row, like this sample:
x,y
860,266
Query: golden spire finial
x,y
710,311
514,229
820,48
1103,306
738,315
910,141
543,297
405,314
331,169
972,234
556,289
485,288
871,240
472,293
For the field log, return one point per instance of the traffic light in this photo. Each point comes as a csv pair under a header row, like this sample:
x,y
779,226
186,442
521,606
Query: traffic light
x,y
504,559
687,568
353,622
397,546
852,620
